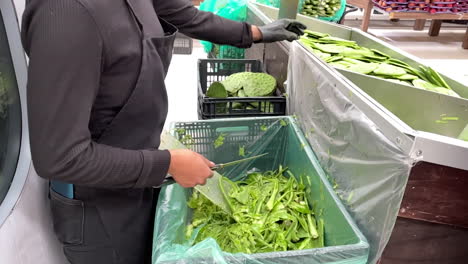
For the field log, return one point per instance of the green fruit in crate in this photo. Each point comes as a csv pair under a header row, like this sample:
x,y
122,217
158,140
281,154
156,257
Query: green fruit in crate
x,y
217,90
259,84
234,82
241,93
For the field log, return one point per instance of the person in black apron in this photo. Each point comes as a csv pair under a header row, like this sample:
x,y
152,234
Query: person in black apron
x,y
97,104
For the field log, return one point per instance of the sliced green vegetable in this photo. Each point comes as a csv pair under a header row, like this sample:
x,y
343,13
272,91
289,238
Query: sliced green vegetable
x,y
220,140
364,68
389,70
263,218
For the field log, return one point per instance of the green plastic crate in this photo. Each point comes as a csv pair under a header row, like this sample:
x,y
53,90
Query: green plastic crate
x,y
287,146
226,52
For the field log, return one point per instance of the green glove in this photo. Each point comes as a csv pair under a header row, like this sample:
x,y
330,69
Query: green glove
x,y
283,29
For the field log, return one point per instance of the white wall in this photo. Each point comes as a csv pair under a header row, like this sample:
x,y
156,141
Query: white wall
x,y
19,4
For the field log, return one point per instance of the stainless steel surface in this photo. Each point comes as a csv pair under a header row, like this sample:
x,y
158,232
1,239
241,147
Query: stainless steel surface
x,y
441,150
288,8
401,124
420,109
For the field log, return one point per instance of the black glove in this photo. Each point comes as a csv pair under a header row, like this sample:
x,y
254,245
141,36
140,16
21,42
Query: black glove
x,y
283,29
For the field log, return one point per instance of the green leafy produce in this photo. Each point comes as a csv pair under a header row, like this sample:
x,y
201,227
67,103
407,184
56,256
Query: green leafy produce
x,y
242,151
389,70
220,140
346,54
320,8
270,213
5,85
217,90
259,84
235,82
244,84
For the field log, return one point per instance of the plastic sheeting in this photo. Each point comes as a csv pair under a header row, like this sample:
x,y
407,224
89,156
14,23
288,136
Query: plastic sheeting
x,y
368,171
285,145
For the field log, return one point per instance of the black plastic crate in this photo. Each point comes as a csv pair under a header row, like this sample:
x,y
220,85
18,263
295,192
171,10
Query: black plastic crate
x,y
214,70
183,44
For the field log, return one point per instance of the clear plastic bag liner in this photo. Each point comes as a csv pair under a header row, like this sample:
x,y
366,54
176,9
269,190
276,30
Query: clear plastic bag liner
x,y
368,171
282,140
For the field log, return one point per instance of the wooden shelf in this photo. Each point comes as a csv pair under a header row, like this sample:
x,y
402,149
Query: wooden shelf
x,y
419,15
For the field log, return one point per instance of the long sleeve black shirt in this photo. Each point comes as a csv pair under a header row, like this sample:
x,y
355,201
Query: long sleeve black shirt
x,y
85,57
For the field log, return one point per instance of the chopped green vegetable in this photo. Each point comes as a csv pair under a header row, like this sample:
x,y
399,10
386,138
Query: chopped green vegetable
x,y
270,213
263,128
346,54
242,151
283,122
187,140
219,141
450,118
364,68
441,122
180,130
389,70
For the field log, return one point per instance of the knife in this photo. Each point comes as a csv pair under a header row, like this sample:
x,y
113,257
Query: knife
x,y
170,180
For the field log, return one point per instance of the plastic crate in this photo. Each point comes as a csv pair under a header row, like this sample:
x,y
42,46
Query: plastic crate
x,y
226,52
213,70
287,146
183,44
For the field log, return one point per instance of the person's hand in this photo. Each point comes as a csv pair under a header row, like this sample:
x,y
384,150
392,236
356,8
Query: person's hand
x,y
283,29
189,168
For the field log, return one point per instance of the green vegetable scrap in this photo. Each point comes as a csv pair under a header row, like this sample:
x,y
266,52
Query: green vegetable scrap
x,y
270,213
242,151
263,128
450,118
220,140
180,130
283,122
346,54
187,140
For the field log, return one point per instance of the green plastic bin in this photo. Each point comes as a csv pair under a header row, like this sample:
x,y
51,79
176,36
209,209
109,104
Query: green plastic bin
x,y
287,146
226,52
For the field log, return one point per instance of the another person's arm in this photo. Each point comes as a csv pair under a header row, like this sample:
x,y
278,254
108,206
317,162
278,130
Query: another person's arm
x,y
65,50
208,26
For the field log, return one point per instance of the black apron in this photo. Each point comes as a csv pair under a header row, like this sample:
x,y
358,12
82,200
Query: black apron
x,y
115,226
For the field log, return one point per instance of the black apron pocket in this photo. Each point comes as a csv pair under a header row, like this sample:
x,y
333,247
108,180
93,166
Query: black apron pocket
x,y
164,45
68,218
